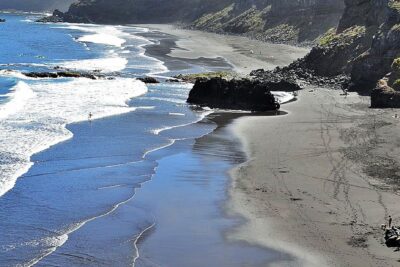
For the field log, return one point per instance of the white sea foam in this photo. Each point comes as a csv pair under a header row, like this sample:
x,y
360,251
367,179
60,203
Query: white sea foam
x,y
283,97
18,96
104,35
101,38
107,35
101,64
12,73
42,118
166,128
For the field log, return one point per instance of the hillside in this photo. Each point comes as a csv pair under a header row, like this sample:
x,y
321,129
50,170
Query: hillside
x,y
288,21
35,5
139,11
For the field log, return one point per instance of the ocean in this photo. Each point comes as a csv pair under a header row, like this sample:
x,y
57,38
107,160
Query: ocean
x,y
142,183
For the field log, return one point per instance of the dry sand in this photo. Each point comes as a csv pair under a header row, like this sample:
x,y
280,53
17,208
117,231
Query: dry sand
x,y
242,53
305,190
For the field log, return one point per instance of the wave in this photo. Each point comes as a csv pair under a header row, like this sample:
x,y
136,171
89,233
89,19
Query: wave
x,y
166,128
106,35
41,121
18,96
101,38
112,64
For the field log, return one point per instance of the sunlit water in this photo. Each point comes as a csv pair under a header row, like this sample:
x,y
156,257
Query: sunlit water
x,y
141,184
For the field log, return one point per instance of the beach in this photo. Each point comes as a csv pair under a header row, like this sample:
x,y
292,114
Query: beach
x,y
151,181
305,189
117,188
308,188
242,53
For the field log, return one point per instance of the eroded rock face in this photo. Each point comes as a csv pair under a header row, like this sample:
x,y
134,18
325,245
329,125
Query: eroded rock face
x,y
364,45
384,96
288,21
243,94
139,11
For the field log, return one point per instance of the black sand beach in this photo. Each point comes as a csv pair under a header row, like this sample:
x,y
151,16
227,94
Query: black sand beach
x,y
136,188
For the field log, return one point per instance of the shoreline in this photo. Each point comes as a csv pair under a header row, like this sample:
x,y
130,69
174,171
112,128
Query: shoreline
x,y
302,194
98,180
332,228
242,53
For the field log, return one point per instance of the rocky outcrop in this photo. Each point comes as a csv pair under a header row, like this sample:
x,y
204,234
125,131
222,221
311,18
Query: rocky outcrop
x,y
384,96
148,80
364,45
61,74
242,94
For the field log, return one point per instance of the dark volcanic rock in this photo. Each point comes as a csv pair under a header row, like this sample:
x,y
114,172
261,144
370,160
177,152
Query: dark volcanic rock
x,y
383,96
148,80
297,72
244,94
59,16
61,74
363,46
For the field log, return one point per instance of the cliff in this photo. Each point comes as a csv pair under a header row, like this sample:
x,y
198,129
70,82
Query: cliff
x,y
364,45
35,5
137,11
289,21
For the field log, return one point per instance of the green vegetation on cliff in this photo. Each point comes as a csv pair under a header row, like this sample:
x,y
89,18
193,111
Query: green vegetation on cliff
x,y
345,38
294,21
275,21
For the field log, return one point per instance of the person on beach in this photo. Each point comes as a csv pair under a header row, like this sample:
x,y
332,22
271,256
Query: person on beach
x,y
390,221
90,116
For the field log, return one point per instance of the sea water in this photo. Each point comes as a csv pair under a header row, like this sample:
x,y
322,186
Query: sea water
x,y
116,189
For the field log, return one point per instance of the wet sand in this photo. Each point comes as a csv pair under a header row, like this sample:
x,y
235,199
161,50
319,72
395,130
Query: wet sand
x,y
243,54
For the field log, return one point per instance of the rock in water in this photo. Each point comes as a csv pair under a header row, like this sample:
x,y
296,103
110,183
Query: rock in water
x,y
243,94
60,74
148,80
2,20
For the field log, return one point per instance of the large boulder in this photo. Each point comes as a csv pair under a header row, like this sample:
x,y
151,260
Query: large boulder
x,y
242,94
384,96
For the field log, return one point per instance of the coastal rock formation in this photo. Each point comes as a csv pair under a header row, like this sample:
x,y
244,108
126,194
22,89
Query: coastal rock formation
x,y
148,80
243,94
384,96
289,21
61,74
364,45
